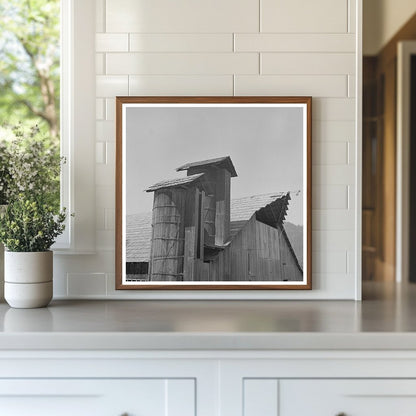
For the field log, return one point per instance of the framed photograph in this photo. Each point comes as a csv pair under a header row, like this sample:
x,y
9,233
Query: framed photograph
x,y
213,193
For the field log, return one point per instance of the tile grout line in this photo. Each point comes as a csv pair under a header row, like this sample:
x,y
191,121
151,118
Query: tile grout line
x,y
104,17
260,20
347,257
347,93
348,16
348,153
348,197
233,84
348,85
260,64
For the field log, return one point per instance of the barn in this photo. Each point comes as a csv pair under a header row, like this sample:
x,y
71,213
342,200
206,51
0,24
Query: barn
x,y
197,233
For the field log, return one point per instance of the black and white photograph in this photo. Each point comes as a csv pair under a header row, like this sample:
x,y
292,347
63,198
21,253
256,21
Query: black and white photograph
x,y
213,195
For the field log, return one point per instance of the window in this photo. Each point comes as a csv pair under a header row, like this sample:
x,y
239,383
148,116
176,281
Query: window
x,y
78,124
52,83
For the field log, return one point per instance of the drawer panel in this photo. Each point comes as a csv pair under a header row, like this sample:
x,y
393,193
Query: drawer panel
x,y
349,397
113,397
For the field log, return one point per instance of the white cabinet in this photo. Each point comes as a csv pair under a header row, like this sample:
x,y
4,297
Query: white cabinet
x,y
207,383
111,383
349,397
86,397
273,397
319,383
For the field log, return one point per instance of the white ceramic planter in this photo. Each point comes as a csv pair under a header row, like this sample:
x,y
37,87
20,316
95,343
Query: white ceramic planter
x,y
2,210
1,271
28,279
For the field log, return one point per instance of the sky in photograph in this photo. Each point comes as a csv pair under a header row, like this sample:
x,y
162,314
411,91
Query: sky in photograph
x,y
265,145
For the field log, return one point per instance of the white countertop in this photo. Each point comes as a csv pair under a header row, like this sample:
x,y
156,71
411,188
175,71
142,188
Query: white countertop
x,y
384,320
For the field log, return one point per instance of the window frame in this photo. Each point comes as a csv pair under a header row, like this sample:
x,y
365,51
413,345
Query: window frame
x,y
77,89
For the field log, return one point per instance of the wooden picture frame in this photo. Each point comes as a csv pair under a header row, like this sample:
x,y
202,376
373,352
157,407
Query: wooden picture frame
x,y
195,229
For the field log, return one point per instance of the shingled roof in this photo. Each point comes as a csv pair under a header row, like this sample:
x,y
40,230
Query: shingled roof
x,y
172,183
223,162
269,208
138,236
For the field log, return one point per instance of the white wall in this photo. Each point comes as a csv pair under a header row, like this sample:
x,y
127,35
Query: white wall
x,y
381,20
232,47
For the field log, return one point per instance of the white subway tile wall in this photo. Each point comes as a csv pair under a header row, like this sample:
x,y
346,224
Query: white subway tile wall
x,y
112,42
100,152
314,85
86,284
351,86
300,16
232,47
334,109
99,109
276,42
111,86
182,16
99,63
110,109
317,63
182,63
181,42
181,85
330,197
333,175
330,153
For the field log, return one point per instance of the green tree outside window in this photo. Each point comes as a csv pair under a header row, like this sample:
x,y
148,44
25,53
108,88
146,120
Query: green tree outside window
x,y
30,69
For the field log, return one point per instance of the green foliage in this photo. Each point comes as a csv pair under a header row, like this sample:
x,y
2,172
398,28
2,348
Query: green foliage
x,y
5,176
29,156
30,225
29,164
30,63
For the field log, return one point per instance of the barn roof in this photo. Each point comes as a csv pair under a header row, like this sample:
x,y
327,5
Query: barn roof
x,y
222,162
269,208
138,236
172,183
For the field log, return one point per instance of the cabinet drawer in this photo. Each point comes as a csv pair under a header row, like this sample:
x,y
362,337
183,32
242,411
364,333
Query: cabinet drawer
x,y
349,397
86,397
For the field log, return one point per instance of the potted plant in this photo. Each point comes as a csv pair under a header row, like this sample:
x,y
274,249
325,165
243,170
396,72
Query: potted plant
x,y
5,180
32,220
28,229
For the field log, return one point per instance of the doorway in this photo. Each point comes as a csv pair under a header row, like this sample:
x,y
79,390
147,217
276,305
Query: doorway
x,y
406,161
387,200
412,208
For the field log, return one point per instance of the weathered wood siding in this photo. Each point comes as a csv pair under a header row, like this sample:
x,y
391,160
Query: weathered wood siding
x,y
168,235
137,277
209,219
275,259
223,202
210,180
257,253
217,204
193,253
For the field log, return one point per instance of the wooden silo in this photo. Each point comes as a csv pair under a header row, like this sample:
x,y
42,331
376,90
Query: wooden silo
x,y
168,235
177,244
